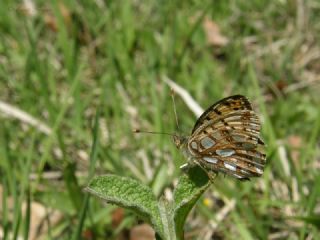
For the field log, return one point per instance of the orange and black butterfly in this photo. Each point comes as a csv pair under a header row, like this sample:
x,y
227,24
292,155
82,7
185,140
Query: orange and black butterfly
x,y
226,138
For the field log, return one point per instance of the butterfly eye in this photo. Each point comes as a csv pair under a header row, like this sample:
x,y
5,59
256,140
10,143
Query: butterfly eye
x,y
178,141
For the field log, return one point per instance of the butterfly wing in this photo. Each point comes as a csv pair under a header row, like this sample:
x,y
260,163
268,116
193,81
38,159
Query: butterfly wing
x,y
220,108
226,138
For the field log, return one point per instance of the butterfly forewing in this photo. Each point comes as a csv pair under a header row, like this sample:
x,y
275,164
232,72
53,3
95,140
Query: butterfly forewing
x,y
226,105
226,138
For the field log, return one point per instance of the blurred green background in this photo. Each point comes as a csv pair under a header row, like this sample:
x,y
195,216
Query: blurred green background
x,y
61,62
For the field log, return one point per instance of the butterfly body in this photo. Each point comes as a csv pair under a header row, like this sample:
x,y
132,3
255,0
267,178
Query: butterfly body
x,y
226,138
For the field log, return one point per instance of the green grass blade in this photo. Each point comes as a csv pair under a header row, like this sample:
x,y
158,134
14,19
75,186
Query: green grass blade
x,y
93,160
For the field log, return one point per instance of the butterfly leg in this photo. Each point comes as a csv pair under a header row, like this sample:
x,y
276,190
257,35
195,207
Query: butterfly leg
x,y
212,175
185,167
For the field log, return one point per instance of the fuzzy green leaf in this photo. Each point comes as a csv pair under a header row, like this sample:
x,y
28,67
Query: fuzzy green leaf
x,y
128,193
190,187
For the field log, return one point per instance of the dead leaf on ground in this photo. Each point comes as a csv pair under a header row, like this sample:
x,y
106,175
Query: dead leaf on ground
x,y
213,33
117,217
142,232
87,234
295,142
40,216
51,21
28,8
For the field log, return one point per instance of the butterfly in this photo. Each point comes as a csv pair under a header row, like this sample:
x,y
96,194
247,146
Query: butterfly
x,y
225,139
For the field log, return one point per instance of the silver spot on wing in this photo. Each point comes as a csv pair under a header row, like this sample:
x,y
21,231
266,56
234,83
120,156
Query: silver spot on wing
x,y
259,170
225,152
207,142
210,159
245,172
230,167
238,176
194,145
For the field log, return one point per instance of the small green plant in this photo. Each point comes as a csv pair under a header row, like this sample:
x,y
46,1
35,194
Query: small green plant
x,y
167,218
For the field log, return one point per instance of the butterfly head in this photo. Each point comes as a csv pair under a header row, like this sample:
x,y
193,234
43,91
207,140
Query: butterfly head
x,y
179,141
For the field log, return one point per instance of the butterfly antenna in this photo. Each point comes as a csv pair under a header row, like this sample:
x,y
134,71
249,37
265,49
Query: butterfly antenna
x,y
174,108
163,133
